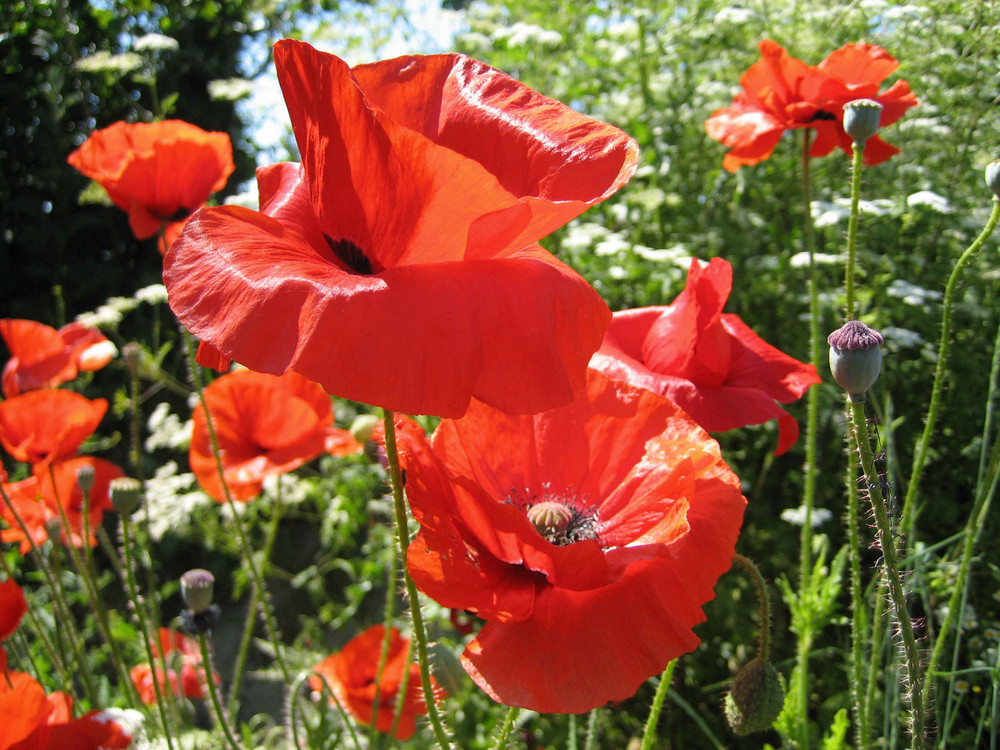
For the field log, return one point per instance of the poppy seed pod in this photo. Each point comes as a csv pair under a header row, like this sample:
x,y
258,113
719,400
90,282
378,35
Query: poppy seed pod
x,y
861,119
126,494
993,177
855,357
755,698
197,587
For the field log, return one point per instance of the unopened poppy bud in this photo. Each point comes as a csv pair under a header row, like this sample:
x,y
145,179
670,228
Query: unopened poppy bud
x,y
85,478
197,587
550,517
993,177
755,698
861,119
363,426
53,527
131,354
855,357
126,494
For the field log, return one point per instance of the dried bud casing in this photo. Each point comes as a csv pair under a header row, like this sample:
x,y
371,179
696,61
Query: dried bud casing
x,y
855,357
861,119
755,698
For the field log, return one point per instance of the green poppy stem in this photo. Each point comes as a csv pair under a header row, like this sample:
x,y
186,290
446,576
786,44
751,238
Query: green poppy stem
x,y
857,163
255,574
811,440
144,631
940,368
383,656
213,693
506,728
403,536
859,619
649,733
890,559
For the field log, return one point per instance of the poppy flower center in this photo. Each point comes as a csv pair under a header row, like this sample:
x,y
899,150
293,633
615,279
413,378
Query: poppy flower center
x,y
351,256
561,522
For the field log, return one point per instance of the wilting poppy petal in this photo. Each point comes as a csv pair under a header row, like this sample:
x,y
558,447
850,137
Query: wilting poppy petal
x,y
712,364
350,674
157,172
265,425
588,537
780,93
397,265
46,425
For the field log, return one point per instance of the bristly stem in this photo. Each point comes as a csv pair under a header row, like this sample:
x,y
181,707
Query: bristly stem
x,y
811,436
144,631
505,729
258,580
940,368
403,535
649,732
383,657
890,560
852,227
220,713
859,624
765,605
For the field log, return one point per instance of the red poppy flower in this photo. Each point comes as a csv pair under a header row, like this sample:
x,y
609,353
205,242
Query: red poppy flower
x,y
716,368
35,721
351,673
37,499
782,93
13,605
183,657
587,536
42,357
46,425
157,172
397,264
265,425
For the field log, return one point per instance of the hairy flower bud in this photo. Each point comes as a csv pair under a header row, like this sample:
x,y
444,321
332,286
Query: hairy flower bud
x,y
855,357
993,177
861,119
132,355
755,698
126,494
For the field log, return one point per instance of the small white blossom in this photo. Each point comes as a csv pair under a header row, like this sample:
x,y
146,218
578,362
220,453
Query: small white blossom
x,y
166,430
171,499
105,62
930,199
154,294
912,294
156,43
797,516
229,89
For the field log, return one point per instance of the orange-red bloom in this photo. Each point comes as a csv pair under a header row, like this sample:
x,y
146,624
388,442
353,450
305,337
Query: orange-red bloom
x,y
782,93
712,364
588,537
398,264
13,605
42,357
265,425
183,658
39,427
33,720
350,674
158,172
36,501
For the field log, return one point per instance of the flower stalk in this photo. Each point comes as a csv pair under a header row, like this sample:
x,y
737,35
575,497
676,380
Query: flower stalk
x,y
403,537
